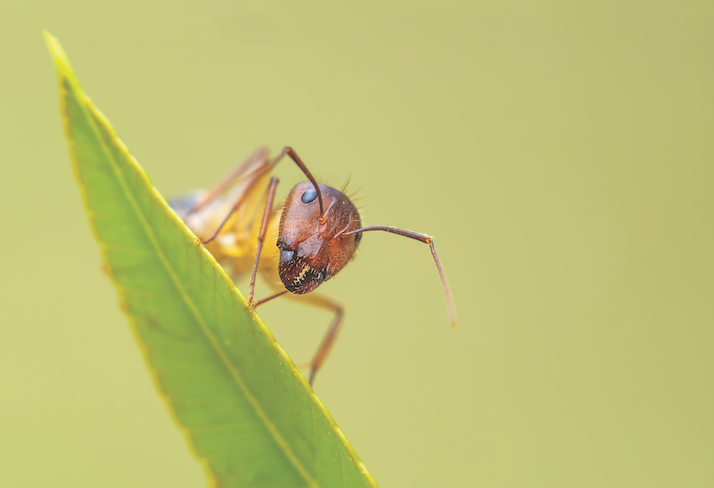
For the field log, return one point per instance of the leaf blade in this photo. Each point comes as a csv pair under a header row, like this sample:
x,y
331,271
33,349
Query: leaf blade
x,y
245,410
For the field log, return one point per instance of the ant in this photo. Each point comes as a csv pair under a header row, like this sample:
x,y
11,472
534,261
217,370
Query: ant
x,y
319,230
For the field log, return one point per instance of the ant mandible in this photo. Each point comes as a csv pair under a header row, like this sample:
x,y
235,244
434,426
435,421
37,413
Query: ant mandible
x,y
319,230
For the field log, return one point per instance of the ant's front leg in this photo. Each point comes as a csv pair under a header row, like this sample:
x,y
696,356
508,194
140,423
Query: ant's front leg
x,y
261,236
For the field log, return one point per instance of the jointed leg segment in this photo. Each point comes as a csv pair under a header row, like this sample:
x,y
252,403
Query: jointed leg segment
x,y
263,228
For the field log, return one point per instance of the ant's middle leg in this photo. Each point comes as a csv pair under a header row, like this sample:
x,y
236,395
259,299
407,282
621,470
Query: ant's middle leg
x,y
328,340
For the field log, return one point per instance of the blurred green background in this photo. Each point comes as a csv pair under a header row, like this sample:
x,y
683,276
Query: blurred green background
x,y
561,153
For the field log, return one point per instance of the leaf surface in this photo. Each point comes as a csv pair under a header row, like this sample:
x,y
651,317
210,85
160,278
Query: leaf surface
x,y
248,414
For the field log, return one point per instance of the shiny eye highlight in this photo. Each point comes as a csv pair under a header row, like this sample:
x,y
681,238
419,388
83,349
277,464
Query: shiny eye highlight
x,y
308,196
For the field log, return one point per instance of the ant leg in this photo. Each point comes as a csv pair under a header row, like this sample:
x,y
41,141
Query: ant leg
x,y
267,299
260,156
328,339
426,240
256,160
263,228
239,201
252,169
255,166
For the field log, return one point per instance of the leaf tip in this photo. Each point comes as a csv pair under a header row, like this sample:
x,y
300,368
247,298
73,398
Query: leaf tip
x,y
64,68
53,46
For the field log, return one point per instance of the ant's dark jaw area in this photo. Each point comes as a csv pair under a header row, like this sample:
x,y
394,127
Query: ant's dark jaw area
x,y
296,273
298,276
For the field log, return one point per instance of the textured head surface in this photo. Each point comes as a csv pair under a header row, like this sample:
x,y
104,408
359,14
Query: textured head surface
x,y
311,252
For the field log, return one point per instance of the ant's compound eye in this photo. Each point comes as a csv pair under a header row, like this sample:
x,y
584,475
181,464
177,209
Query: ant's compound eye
x,y
308,196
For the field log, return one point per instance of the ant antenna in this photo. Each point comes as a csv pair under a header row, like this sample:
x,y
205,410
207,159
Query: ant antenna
x,y
293,155
426,240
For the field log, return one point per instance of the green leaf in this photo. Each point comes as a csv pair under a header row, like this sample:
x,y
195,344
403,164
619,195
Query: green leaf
x,y
246,411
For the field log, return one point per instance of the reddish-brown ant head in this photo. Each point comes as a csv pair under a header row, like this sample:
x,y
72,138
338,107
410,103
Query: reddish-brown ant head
x,y
313,250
